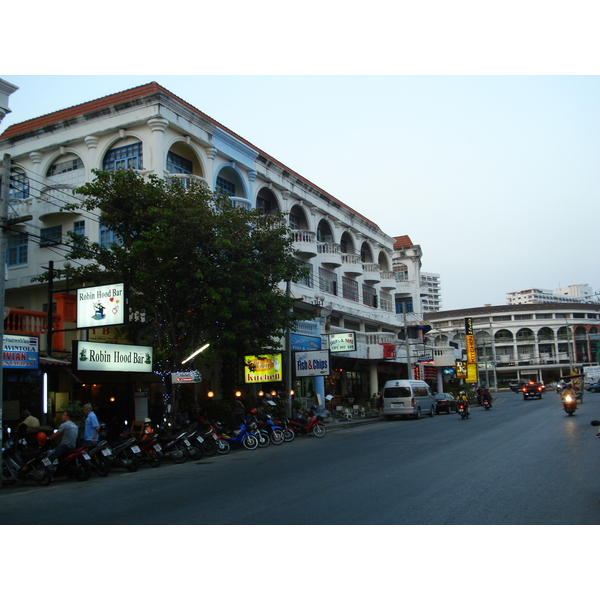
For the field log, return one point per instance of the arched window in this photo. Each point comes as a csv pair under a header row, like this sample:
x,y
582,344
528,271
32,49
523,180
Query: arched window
x,y
124,156
267,201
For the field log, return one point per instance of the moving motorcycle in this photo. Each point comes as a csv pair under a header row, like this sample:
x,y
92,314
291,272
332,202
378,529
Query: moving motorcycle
x,y
486,404
463,409
569,402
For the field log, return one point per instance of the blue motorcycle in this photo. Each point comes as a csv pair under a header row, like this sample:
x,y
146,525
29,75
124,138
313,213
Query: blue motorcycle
x,y
247,436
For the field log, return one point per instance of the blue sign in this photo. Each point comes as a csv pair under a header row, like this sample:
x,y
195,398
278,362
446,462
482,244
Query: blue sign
x,y
20,352
304,343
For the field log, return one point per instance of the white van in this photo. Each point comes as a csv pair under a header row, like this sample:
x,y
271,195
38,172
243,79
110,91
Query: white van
x,y
403,397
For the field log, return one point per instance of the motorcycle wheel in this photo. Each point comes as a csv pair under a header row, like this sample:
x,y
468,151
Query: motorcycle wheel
x,y
180,454
319,430
263,439
288,435
154,457
83,469
42,475
195,452
250,442
101,465
7,476
277,437
223,446
209,447
134,463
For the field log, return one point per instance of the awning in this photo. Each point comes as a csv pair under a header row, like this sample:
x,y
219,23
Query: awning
x,y
48,360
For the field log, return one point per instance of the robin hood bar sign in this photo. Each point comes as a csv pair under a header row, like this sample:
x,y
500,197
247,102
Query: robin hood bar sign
x,y
91,356
101,306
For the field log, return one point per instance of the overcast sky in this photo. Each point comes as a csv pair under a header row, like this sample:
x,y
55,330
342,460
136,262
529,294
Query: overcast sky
x,y
465,133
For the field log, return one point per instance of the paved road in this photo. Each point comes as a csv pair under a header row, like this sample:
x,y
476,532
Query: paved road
x,y
520,463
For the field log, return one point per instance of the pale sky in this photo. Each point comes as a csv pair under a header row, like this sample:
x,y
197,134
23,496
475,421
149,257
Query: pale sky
x,y
476,134
472,127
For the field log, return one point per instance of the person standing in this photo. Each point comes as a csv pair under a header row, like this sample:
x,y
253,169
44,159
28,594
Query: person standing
x,y
379,404
91,429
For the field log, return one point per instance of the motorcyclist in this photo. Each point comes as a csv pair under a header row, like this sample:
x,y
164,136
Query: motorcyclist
x,y
486,396
568,391
462,399
68,430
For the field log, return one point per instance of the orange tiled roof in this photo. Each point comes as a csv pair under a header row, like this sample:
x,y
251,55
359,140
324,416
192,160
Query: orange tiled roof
x,y
139,92
402,241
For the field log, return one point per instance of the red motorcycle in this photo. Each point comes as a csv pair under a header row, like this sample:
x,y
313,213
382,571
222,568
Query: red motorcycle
x,y
311,426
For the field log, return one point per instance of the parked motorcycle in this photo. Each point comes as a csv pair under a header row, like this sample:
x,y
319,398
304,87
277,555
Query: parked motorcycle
x,y
242,438
126,454
195,449
100,458
569,403
175,448
20,463
214,440
268,427
150,451
311,426
75,464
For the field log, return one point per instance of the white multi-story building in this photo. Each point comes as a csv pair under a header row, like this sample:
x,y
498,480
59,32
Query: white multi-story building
x,y
544,341
431,292
573,294
358,275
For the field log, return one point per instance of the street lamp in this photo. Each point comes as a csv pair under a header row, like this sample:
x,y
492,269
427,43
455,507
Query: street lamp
x,y
318,304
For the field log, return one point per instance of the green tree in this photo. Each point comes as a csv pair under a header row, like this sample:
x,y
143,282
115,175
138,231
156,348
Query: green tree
x,y
199,270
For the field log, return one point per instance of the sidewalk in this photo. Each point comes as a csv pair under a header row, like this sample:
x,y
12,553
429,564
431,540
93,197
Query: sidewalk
x,y
332,423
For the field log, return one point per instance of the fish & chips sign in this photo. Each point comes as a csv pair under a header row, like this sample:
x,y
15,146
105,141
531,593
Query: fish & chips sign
x,y
312,364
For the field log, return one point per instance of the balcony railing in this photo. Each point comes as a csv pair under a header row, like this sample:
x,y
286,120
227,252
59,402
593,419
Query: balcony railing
x,y
34,323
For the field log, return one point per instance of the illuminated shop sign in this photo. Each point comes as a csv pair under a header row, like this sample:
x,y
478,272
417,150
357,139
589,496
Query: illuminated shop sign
x,y
258,369
101,306
91,356
342,342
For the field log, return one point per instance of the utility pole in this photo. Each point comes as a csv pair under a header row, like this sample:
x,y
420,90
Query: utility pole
x,y
4,196
6,89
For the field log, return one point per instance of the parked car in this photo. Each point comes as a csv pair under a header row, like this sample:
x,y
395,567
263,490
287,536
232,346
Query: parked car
x,y
445,402
593,387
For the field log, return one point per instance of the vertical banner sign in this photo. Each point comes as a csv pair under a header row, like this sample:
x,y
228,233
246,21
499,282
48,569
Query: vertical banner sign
x,y
470,339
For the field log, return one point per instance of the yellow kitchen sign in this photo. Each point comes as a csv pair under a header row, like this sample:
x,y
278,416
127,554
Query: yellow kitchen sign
x,y
258,369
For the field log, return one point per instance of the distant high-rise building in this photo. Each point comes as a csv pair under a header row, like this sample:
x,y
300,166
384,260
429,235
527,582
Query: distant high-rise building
x,y
572,294
431,293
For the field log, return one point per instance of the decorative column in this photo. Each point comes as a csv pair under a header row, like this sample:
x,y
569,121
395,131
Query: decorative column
x,y
158,126
251,178
91,141
211,152
36,158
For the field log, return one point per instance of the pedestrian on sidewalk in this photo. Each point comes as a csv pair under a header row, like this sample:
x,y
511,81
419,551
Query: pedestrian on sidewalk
x,y
379,404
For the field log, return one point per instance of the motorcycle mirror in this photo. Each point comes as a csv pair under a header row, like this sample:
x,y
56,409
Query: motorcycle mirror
x,y
595,423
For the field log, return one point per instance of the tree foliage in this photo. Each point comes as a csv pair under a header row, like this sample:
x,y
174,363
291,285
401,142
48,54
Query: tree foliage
x,y
199,270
